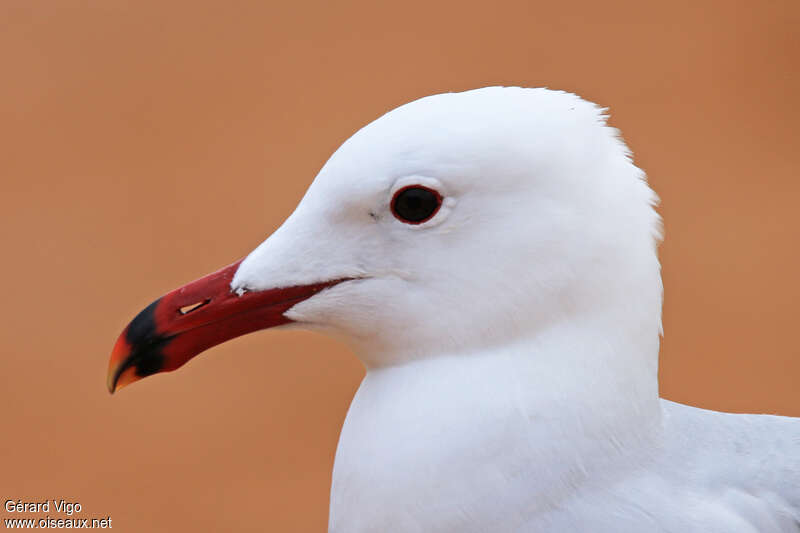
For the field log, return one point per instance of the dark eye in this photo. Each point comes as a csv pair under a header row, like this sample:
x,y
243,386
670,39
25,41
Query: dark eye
x,y
415,204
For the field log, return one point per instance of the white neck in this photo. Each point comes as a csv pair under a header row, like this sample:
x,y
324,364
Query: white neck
x,y
427,440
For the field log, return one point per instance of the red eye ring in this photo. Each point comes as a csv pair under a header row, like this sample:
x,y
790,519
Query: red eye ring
x,y
415,204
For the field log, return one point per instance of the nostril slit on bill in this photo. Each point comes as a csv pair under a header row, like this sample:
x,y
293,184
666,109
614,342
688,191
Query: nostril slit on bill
x,y
186,309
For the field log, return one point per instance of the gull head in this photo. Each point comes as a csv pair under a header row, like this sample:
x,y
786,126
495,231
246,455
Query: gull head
x,y
455,223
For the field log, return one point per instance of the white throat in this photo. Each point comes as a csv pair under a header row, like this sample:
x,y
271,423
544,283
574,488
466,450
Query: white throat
x,y
531,420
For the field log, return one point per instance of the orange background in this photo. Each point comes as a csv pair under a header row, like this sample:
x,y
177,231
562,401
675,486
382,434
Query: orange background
x,y
143,144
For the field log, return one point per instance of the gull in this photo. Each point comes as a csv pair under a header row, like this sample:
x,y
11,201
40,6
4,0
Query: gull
x,y
491,258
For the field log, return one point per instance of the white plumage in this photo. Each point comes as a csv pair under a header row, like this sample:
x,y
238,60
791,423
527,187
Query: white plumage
x,y
511,342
